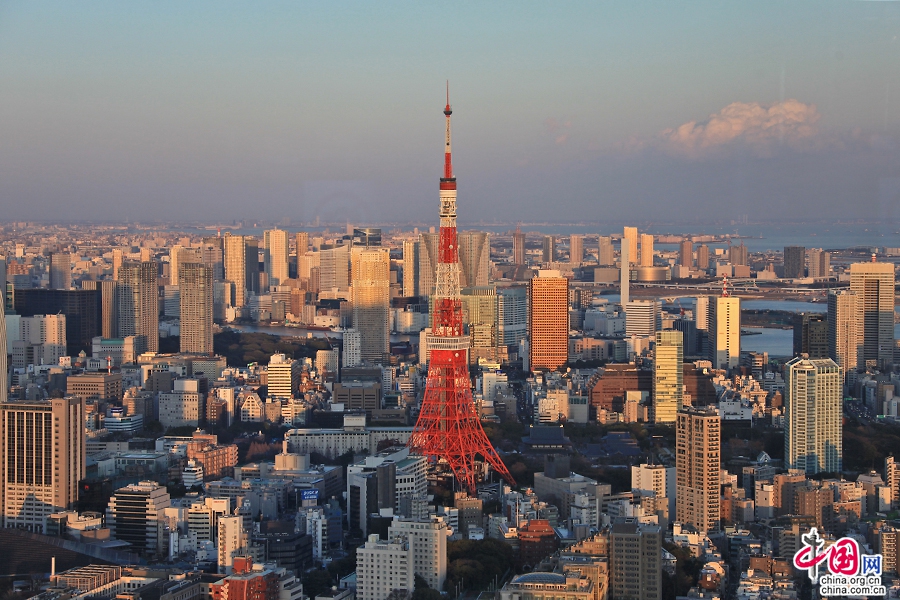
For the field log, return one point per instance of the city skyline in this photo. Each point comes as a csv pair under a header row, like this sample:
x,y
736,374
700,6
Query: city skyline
x,y
601,110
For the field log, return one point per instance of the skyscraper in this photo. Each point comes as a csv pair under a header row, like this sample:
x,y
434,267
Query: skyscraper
x,y
635,570
794,262
605,251
196,311
810,335
371,296
703,257
698,466
686,253
641,317
548,320
512,314
4,357
725,331
630,237
738,255
874,286
474,258
813,437
60,271
843,338
518,247
410,268
43,458
212,254
480,314
427,251
109,313
302,242
624,274
138,304
548,254
576,249
334,268
118,257
275,254
819,263
241,267
668,376
646,250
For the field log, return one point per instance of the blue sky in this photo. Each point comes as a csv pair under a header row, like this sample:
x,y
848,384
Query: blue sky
x,y
209,110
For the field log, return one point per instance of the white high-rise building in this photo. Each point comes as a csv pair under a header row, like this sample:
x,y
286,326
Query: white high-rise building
x,y
232,541
512,315
352,350
668,376
383,567
701,313
642,318
276,250
283,376
371,296
725,331
428,539
656,480
334,269
813,435
874,286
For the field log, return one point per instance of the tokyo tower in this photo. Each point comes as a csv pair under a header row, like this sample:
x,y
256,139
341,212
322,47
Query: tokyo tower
x,y
448,426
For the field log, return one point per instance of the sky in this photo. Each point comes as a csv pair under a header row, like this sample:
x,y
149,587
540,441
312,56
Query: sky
x,y
563,112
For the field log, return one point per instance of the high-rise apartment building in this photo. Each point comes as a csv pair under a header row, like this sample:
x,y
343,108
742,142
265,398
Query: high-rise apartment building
x,y
108,306
701,312
371,282
137,295
819,263
410,268
241,267
668,376
794,262
474,258
548,320
118,258
196,308
283,376
703,257
725,331
43,458
813,437
646,250
233,540
548,249
874,286
686,253
698,466
135,514
60,271
512,315
276,250
301,242
738,255
212,254
351,352
576,249
655,480
810,335
428,539
605,256
630,238
518,249
384,567
641,317
635,560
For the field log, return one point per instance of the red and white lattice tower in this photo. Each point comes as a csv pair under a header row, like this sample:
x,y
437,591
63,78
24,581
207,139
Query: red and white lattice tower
x,y
448,427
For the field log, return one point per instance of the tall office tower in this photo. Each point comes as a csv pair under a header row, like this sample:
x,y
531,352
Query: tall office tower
x,y
283,376
698,467
410,268
738,255
630,238
548,321
635,560
703,257
43,458
448,427
138,304
605,254
276,250
118,257
794,262
874,286
701,312
624,274
813,438
135,514
548,252
512,315
686,253
725,331
668,376
474,258
334,268
196,311
819,262
642,318
352,348
371,294
108,305
60,271
576,249
241,267
302,242
428,260
843,337
810,335
480,316
212,254
646,250
518,247
428,538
